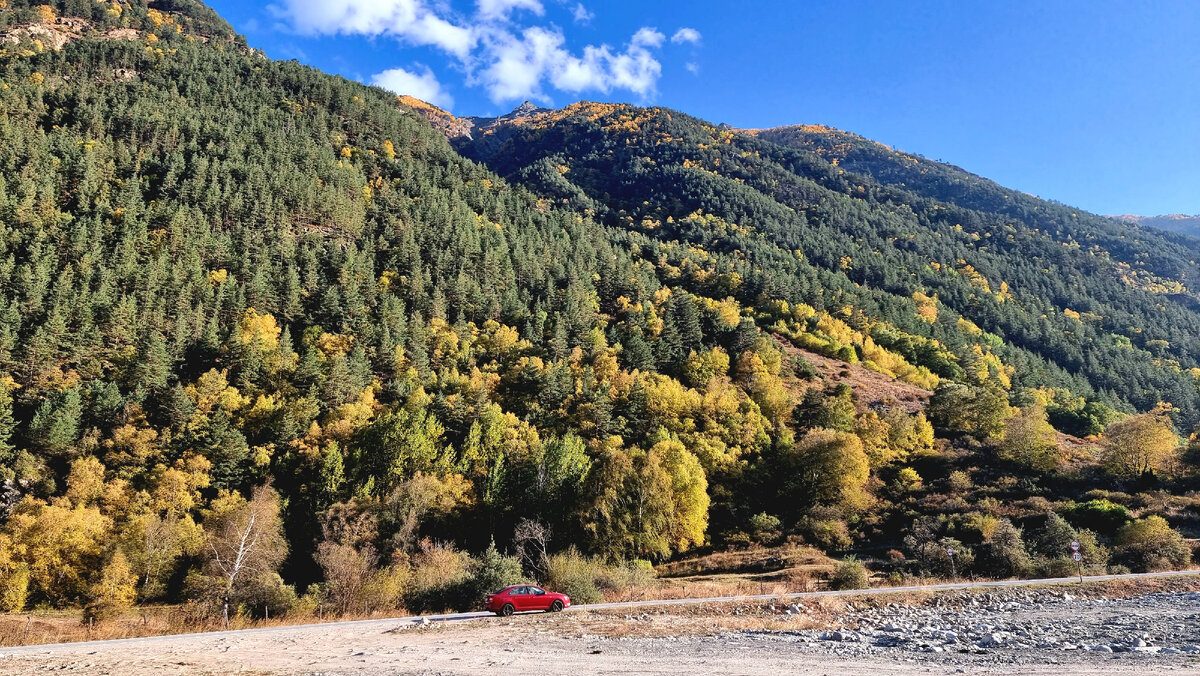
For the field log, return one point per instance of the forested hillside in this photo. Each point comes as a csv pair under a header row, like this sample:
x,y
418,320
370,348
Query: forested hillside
x,y
247,302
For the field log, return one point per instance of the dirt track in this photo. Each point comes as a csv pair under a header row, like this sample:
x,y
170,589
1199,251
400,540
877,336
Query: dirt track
x,y
669,641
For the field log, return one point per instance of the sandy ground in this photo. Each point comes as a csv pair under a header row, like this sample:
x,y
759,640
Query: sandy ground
x,y
581,643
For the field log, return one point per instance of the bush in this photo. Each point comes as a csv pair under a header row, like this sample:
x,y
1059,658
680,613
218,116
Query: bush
x,y
114,591
1061,566
825,534
574,575
850,574
1005,554
1102,516
765,528
266,596
440,579
493,571
1151,544
1054,538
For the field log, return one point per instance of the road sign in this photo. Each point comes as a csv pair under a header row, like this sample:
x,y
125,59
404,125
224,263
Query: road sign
x,y
1074,546
1078,557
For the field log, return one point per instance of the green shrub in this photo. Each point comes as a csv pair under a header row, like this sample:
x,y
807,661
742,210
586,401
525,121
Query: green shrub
x,y
574,575
1005,554
492,571
850,574
1102,516
1151,544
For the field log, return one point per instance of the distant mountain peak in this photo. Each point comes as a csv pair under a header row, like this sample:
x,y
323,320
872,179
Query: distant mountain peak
x,y
525,110
1188,225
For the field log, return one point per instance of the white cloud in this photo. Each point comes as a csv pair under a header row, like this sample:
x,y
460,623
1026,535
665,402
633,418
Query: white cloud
x,y
692,67
520,64
500,9
424,86
688,35
493,47
582,15
408,20
647,37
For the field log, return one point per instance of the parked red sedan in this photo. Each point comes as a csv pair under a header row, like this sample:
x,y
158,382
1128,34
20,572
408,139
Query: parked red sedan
x,y
523,597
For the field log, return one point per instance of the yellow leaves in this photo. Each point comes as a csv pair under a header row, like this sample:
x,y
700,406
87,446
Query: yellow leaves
x,y
1068,312
85,482
218,277
115,590
151,38
334,344
349,417
846,262
497,339
389,150
177,488
212,390
367,193
46,14
347,151
62,545
968,327
387,280
927,308
973,277
728,311
132,445
36,78
259,330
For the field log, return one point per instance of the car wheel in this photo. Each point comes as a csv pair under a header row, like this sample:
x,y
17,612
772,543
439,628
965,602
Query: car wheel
x,y
507,610
556,606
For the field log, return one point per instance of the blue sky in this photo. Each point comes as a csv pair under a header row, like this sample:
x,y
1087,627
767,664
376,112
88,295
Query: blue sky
x,y
1093,103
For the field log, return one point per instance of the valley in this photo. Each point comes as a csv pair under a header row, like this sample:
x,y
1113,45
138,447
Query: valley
x,y
277,345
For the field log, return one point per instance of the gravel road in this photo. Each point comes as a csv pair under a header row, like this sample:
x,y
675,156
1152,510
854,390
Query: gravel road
x,y
1006,630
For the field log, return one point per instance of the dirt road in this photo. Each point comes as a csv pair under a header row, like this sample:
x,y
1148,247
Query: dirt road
x,y
679,639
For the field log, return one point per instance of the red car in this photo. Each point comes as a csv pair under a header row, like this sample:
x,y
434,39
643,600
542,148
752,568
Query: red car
x,y
523,597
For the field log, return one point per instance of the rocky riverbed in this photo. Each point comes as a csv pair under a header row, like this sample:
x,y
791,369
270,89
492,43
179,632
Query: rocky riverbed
x,y
1013,627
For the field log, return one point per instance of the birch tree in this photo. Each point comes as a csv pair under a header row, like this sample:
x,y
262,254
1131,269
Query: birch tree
x,y
244,540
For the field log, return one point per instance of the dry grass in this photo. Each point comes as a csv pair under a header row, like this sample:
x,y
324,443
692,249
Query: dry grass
x,y
753,560
68,626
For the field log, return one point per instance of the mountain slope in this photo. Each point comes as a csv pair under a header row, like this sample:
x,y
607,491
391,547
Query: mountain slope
x,y
245,301
1072,299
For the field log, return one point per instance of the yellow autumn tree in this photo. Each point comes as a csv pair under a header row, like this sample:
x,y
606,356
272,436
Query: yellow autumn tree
x,y
687,525
1139,444
259,329
61,545
114,591
14,578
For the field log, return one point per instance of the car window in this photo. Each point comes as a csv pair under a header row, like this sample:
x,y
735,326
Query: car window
x,y
520,590
537,591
